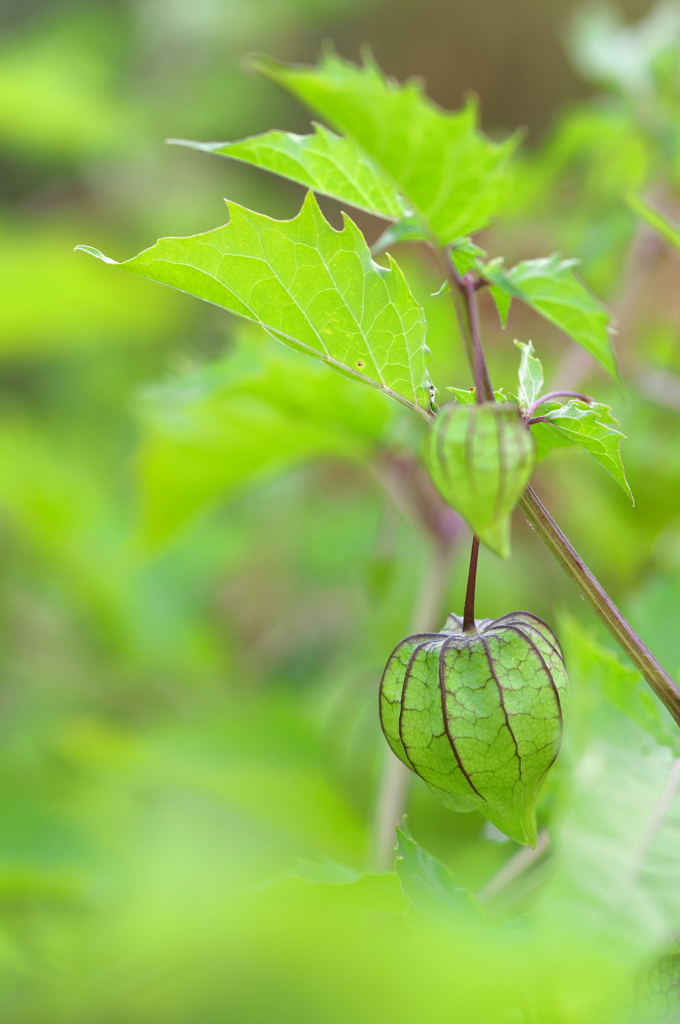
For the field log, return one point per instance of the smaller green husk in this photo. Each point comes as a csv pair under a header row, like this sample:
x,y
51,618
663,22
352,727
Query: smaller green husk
x,y
478,715
481,458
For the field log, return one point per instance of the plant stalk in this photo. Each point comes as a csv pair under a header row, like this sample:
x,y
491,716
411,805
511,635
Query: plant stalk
x,y
545,526
468,322
469,611
391,801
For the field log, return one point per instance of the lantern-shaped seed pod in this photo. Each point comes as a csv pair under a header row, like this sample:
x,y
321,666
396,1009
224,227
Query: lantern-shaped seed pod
x,y
478,714
480,458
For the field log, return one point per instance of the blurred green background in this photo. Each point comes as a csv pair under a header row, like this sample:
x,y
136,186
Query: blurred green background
x,y
201,579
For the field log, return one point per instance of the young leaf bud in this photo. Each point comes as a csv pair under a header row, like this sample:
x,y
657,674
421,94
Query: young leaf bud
x,y
481,457
478,715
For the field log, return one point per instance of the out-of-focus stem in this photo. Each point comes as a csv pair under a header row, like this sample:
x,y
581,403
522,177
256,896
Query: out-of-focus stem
x,y
391,802
516,866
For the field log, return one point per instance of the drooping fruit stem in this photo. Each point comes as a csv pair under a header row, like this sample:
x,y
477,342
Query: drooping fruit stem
x,y
547,529
469,610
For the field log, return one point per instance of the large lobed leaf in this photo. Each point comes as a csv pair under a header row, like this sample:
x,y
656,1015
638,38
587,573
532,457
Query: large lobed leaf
x,y
452,175
324,162
550,287
311,287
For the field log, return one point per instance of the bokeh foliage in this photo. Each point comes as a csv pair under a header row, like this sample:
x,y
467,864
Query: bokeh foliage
x,y
205,568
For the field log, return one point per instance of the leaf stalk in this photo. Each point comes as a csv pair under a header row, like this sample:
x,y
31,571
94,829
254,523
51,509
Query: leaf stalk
x,y
544,399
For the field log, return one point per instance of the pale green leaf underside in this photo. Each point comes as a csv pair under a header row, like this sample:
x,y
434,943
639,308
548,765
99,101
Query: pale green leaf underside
x,y
589,427
324,162
452,174
550,287
655,219
530,374
311,287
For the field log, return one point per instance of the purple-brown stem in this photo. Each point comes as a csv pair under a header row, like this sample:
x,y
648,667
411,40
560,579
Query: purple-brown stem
x,y
468,322
599,600
568,558
531,409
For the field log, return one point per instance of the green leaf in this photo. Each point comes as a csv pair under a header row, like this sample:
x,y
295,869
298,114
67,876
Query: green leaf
x,y
530,374
653,607
311,287
444,289
453,176
606,49
323,162
655,219
431,885
469,397
465,255
590,427
211,433
403,231
612,682
380,893
550,287
481,457
477,715
502,301
618,823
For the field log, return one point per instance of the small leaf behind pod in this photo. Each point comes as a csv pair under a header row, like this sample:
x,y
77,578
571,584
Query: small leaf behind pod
x,y
481,457
478,716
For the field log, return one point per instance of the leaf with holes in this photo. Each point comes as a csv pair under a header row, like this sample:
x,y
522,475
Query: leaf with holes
x,y
311,287
478,715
